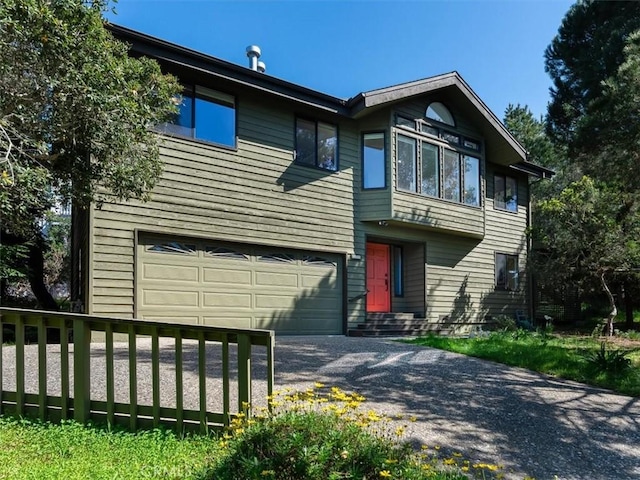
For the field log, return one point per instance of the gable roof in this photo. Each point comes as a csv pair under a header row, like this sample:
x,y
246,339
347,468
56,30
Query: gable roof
x,y
502,147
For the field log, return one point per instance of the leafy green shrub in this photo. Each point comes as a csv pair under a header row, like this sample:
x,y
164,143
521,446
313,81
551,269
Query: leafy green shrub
x,y
609,362
316,435
505,323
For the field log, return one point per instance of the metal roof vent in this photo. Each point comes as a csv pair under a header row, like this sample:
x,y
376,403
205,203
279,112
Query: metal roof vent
x,y
253,52
261,67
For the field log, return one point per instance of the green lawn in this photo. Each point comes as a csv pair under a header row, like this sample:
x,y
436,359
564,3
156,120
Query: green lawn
x,y
561,356
321,433
33,450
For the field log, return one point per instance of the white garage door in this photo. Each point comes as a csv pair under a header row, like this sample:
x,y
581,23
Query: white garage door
x,y
208,283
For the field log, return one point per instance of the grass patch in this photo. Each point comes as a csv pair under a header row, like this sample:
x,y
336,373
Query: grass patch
x,y
573,358
318,434
31,449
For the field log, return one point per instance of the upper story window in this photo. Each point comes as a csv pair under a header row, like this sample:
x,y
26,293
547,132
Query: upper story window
x,y
373,160
505,193
205,114
439,167
317,144
438,112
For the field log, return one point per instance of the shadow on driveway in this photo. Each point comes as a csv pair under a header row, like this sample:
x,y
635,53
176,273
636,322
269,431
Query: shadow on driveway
x,y
532,424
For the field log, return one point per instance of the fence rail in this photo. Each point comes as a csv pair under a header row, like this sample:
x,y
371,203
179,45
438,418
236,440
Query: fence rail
x,y
74,398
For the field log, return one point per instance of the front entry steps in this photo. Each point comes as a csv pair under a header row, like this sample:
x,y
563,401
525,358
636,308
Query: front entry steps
x,y
395,325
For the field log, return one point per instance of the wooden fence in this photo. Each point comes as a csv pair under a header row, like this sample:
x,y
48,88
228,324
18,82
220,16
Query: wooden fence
x,y
73,394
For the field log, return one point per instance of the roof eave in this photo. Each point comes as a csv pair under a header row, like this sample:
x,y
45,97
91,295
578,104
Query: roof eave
x,y
533,169
177,55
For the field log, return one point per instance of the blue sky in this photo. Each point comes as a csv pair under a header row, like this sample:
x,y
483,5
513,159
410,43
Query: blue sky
x,y
345,47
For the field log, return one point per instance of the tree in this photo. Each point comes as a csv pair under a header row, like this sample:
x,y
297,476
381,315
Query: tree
x,y
594,65
531,134
609,132
581,239
76,113
588,49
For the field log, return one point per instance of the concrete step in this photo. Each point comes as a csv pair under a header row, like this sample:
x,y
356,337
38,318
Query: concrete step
x,y
390,316
391,324
414,332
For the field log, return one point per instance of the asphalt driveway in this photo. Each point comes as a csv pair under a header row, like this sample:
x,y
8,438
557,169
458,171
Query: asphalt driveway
x,y
532,424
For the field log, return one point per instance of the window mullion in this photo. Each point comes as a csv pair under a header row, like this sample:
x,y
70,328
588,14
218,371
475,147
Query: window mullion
x,y
317,143
462,165
193,111
419,166
441,171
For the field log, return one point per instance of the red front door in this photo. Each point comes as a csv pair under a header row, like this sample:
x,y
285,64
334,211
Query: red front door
x,y
378,297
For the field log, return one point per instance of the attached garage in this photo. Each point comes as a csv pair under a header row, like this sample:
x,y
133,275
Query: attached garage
x,y
194,281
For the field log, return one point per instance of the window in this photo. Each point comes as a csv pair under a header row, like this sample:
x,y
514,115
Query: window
x,y
438,112
173,247
451,175
471,144
471,180
205,114
506,272
406,168
430,169
398,272
317,144
505,193
317,261
438,167
405,122
224,252
373,159
450,137
277,258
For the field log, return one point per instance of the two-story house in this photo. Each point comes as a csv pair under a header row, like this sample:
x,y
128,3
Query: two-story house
x,y
285,208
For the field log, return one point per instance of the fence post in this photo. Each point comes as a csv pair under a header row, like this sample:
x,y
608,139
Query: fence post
x,y
244,370
81,370
270,365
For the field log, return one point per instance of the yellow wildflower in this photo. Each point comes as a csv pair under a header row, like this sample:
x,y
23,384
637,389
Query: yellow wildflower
x,y
385,474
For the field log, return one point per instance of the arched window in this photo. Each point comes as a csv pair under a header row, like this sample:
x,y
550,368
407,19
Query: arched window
x,y
438,112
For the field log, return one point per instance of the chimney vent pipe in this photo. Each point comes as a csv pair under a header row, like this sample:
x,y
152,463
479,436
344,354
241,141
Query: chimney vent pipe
x,y
253,52
261,67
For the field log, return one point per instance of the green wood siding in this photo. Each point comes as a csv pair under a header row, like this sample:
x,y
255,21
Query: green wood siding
x,y
438,214
254,195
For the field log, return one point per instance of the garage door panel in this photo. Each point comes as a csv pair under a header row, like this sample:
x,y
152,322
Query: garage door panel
x,y
170,298
172,318
274,301
222,319
170,273
328,281
270,279
238,286
226,299
236,277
